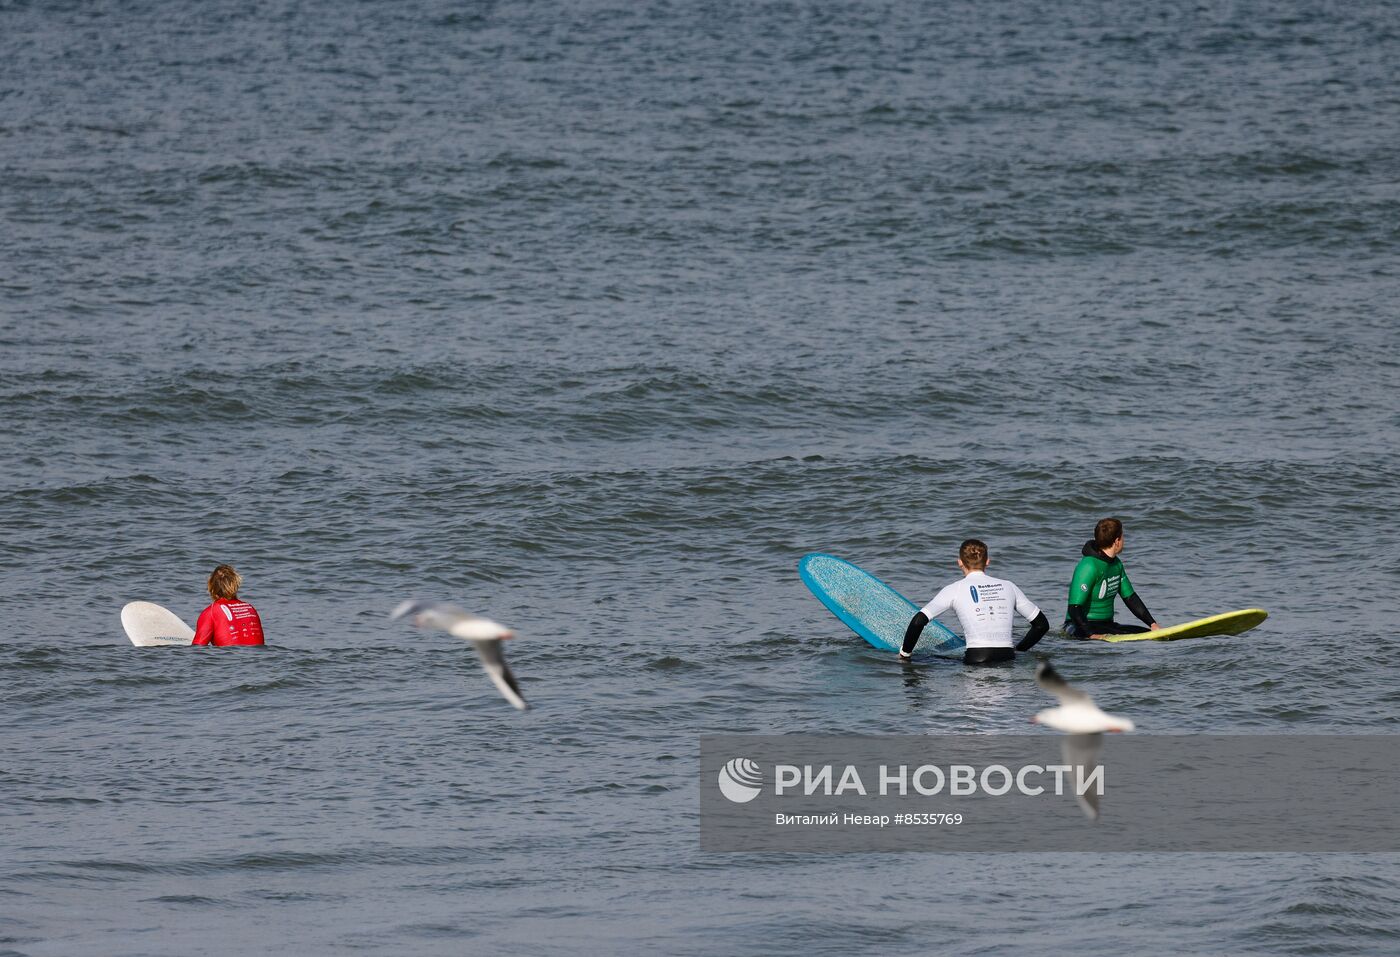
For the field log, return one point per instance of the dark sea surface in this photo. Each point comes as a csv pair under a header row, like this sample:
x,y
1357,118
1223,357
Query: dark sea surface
x,y
595,317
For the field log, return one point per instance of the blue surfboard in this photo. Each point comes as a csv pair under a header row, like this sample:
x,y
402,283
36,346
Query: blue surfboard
x,y
869,607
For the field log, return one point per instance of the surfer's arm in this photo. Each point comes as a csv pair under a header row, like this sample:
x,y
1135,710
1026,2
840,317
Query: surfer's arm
x,y
912,633
1039,626
1136,606
1081,590
1079,619
941,603
1030,611
204,627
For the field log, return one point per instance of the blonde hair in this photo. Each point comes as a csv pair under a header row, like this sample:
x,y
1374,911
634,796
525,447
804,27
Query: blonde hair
x,y
224,582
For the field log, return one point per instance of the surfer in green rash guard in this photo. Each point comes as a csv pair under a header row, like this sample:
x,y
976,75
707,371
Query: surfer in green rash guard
x,y
1099,578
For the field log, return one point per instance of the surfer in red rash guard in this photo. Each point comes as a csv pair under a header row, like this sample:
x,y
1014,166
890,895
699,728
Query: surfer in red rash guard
x,y
228,621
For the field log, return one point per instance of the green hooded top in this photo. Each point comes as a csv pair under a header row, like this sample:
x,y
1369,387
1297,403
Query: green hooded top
x,y
1098,580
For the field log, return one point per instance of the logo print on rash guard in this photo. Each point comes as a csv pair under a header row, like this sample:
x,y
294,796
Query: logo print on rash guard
x,y
227,614
973,589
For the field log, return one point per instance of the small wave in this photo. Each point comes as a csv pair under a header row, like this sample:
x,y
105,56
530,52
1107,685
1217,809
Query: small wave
x,y
670,663
195,899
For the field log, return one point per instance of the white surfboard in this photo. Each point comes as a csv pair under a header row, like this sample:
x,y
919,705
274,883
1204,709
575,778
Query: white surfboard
x,y
148,625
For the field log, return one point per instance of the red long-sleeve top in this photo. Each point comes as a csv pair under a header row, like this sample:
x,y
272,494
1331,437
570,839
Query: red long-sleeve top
x,y
228,623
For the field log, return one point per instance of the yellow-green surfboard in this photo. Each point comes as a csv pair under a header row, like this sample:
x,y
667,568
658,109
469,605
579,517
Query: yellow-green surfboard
x,y
1230,623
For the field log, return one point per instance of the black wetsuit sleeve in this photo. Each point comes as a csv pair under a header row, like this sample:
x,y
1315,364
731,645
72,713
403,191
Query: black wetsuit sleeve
x,y
1079,620
1039,626
1136,606
915,629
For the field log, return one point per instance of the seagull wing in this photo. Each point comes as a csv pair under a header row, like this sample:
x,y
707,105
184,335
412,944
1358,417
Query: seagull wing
x,y
407,608
1082,751
1050,680
493,660
449,618
435,614
476,628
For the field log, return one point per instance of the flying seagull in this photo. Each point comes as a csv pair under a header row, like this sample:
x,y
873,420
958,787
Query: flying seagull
x,y
484,634
1082,722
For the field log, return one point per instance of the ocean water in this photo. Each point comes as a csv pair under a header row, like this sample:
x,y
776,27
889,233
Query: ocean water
x,y
595,317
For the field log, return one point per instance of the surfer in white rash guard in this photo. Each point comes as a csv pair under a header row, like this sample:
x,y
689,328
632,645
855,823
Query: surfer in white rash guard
x,y
984,605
